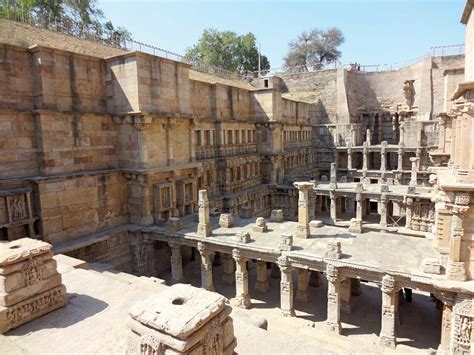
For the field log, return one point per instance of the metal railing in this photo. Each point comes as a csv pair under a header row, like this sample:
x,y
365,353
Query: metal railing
x,y
452,49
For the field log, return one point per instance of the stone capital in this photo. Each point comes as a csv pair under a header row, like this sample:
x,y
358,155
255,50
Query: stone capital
x,y
388,284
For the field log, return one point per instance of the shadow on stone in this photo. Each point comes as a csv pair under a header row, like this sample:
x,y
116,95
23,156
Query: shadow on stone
x,y
78,308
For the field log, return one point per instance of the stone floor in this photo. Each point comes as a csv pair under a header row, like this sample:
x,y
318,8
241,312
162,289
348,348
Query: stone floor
x,y
380,250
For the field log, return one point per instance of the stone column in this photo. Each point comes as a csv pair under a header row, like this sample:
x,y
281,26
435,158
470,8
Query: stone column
x,y
359,206
383,211
349,159
446,325
228,277
204,226
345,296
303,214
408,212
365,152
383,156
314,279
262,284
176,263
456,269
302,295
286,287
207,281
241,280
400,159
414,171
139,255
389,299
402,134
311,204
333,177
333,209
334,303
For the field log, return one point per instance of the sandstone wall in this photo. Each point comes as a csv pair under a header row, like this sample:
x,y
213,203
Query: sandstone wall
x,y
74,207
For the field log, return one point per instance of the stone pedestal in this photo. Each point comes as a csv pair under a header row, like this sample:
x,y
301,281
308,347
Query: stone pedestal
x,y
333,250
302,295
286,242
262,285
30,285
260,225
226,220
286,287
181,320
355,225
276,216
242,297
174,223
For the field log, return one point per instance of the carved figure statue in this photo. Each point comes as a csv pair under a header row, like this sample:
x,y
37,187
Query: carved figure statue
x,y
409,92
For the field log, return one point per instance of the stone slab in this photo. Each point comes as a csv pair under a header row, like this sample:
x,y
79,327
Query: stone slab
x,y
21,249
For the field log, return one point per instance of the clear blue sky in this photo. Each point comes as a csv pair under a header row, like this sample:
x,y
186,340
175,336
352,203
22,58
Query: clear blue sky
x,y
376,31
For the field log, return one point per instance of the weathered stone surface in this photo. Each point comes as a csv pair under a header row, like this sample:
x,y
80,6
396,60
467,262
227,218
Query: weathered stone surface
x,y
277,216
260,225
226,220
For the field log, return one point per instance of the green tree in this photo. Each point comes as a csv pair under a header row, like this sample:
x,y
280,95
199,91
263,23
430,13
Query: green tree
x,y
227,50
81,18
314,49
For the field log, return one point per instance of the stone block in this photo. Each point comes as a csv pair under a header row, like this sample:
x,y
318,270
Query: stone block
x,y
30,285
333,250
286,242
182,320
226,220
276,216
384,188
355,225
174,223
260,225
243,237
315,224
432,266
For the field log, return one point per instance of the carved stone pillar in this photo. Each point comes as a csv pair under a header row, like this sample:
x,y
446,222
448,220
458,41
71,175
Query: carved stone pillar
x,y
302,295
333,177
408,212
206,267
365,152
345,296
204,226
303,215
333,208
262,284
462,326
446,324
286,287
228,277
383,211
456,269
383,156
349,159
139,255
311,204
314,279
359,206
334,303
389,299
400,159
414,171
176,263
242,297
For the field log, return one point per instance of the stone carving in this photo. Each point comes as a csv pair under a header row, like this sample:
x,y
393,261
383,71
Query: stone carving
x,y
243,237
462,199
173,321
37,292
17,207
355,225
260,225
333,250
286,242
409,92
